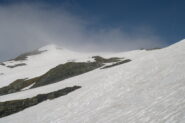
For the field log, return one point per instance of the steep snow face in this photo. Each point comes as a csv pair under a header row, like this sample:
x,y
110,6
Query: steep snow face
x,y
37,65
149,89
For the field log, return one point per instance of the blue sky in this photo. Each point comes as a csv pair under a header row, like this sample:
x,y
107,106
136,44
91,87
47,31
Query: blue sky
x,y
166,17
159,20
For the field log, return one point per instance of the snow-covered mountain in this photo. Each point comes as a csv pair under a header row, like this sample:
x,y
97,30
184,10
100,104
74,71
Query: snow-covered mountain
x,y
62,86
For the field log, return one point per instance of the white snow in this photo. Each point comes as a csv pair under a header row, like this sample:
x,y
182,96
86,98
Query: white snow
x,y
37,65
28,87
149,89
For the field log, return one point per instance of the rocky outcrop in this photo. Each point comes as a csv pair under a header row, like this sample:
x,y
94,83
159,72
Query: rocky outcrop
x,y
16,65
13,106
62,72
71,69
25,55
17,86
65,71
1,63
117,63
100,59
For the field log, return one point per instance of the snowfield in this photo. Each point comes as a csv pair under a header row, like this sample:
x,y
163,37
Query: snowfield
x,y
149,89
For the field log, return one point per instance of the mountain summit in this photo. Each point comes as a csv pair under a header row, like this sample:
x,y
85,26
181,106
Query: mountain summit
x,y
62,86
50,47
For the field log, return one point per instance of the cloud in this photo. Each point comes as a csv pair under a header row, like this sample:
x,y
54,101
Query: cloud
x,y
24,27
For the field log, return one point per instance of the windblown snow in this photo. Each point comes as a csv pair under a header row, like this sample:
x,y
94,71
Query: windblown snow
x,y
149,89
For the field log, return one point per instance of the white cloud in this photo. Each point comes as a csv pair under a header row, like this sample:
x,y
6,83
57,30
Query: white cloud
x,y
24,27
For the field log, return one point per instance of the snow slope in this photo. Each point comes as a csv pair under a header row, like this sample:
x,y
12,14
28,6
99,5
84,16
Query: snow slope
x,y
149,89
37,65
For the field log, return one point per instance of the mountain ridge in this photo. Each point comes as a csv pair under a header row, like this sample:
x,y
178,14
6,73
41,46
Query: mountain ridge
x,y
149,88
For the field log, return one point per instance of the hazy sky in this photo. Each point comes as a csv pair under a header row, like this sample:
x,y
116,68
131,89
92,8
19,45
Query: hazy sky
x,y
89,25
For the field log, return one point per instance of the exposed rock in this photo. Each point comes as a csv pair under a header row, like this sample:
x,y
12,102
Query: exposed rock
x,y
16,65
118,63
17,85
1,73
1,63
13,106
153,49
157,48
65,71
59,73
103,60
54,75
25,55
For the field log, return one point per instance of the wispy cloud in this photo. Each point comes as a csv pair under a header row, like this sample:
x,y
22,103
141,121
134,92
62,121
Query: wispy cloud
x,y
27,26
